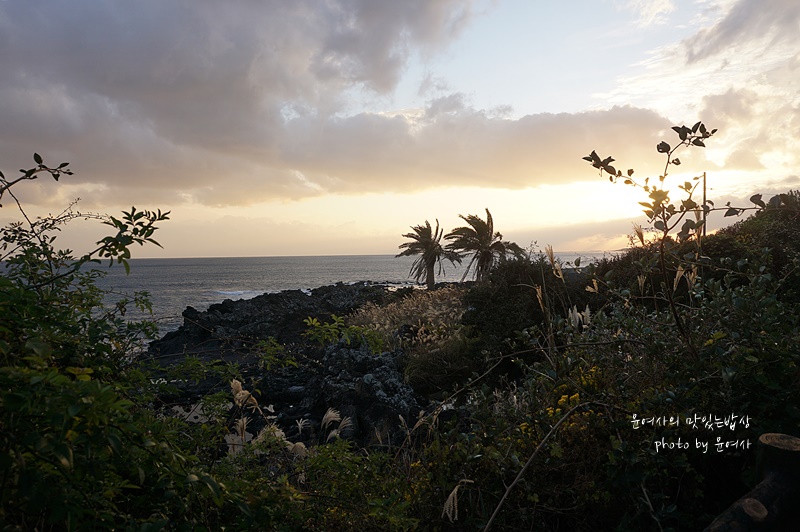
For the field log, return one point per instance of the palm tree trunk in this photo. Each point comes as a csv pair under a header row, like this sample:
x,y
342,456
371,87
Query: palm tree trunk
x,y
429,276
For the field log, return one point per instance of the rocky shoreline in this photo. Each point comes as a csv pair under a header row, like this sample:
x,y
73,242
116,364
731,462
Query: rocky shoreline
x,y
368,388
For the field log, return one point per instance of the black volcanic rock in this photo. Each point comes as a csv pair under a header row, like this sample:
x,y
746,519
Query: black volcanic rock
x,y
368,388
226,330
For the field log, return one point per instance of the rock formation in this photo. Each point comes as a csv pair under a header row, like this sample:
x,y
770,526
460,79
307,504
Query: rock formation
x,y
366,387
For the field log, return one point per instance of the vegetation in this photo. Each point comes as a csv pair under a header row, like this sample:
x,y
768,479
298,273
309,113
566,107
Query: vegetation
x,y
626,395
479,239
426,243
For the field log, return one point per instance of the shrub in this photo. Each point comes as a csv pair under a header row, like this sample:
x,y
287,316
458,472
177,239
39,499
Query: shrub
x,y
78,449
427,326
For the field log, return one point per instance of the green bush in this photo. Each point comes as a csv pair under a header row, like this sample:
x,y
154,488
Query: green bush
x,y
78,449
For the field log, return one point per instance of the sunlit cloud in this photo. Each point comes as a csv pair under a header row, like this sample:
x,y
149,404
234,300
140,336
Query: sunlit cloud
x,y
650,12
289,117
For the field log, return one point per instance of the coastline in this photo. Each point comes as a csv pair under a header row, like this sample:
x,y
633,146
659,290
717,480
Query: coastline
x,y
174,284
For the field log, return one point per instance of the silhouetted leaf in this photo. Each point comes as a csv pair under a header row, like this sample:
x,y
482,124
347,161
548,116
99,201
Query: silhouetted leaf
x,y
696,126
676,161
732,212
663,147
630,172
689,204
756,198
698,142
37,158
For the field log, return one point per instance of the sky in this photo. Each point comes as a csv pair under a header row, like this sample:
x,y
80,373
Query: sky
x,y
330,127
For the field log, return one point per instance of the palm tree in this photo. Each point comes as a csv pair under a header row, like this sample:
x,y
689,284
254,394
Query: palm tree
x,y
481,241
426,242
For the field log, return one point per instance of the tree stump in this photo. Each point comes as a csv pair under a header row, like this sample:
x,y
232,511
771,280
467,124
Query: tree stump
x,y
774,504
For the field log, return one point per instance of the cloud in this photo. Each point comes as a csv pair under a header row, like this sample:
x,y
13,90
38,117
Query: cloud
x,y
227,105
182,95
770,22
453,144
650,12
738,72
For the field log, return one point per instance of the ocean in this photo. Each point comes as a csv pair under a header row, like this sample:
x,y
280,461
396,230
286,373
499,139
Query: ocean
x,y
174,284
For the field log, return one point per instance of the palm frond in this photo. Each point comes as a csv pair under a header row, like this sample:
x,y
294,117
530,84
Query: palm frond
x,y
425,241
480,240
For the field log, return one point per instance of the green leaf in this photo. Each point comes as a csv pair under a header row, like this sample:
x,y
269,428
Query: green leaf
x,y
215,488
115,443
39,346
556,451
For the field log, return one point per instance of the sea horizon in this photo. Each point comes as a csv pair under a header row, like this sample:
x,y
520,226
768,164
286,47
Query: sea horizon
x,y
174,284
557,253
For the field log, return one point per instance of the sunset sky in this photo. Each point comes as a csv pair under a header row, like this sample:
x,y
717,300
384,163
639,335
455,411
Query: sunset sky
x,y
314,127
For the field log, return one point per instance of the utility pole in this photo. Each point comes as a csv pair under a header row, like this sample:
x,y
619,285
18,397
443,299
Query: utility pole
x,y
704,204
